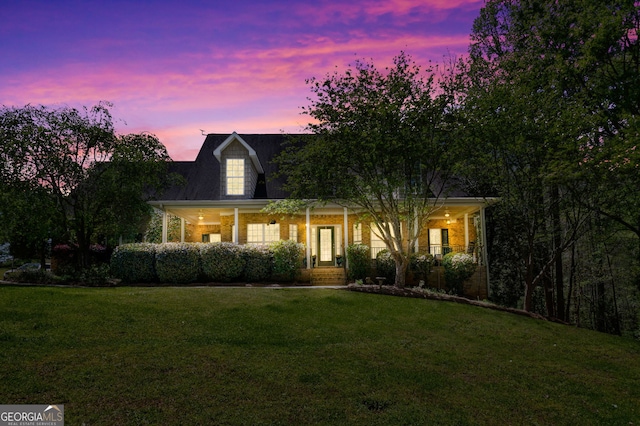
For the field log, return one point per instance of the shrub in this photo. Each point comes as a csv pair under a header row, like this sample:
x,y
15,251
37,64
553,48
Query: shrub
x,y
177,263
133,263
63,259
95,275
359,261
34,276
386,266
421,263
458,267
222,261
287,257
258,263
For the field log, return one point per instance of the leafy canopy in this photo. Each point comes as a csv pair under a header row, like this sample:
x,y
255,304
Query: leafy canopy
x,y
378,146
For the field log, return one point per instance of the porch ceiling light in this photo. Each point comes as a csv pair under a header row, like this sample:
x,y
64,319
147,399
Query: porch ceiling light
x,y
200,215
446,213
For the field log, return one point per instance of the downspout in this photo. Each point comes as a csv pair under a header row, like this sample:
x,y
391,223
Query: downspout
x,y
182,230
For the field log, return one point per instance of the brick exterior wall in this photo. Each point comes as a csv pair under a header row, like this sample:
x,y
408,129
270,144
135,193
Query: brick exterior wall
x,y
456,230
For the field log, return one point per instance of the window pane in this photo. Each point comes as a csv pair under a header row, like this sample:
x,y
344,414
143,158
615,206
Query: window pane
x,y
272,233
293,232
357,233
235,176
254,233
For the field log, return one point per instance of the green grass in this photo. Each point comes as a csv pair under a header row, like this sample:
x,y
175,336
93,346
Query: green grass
x,y
303,356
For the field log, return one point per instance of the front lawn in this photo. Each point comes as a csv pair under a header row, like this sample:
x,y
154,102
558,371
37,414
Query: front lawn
x,y
303,356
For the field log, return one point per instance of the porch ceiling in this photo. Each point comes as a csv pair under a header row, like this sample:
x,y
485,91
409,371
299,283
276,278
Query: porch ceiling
x,y
211,216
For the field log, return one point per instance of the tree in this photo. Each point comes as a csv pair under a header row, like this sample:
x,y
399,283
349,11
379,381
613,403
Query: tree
x,y
551,104
90,179
378,146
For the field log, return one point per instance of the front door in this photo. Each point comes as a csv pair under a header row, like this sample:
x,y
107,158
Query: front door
x,y
326,246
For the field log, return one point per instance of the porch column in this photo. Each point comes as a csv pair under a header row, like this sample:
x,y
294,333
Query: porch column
x,y
416,247
182,230
483,239
466,231
346,236
236,227
308,239
164,226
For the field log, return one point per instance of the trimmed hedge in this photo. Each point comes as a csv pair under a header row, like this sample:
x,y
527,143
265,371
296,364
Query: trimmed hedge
x,y
222,261
287,258
182,263
134,263
359,261
259,263
177,263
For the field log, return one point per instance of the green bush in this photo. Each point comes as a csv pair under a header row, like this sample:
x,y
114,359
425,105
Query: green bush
x,y
34,276
177,263
258,263
458,267
95,275
287,258
222,262
359,261
134,263
421,263
386,266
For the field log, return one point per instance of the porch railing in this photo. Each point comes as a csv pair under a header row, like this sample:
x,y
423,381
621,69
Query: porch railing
x,y
437,250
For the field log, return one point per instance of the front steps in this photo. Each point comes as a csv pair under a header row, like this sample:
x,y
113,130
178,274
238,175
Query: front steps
x,y
328,276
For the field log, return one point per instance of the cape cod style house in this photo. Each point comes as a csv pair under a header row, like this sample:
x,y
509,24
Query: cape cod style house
x,y
230,182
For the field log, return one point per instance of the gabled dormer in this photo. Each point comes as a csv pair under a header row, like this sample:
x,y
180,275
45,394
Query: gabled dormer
x,y
239,168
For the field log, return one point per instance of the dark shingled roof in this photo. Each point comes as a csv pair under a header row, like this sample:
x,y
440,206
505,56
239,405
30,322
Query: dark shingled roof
x,y
202,176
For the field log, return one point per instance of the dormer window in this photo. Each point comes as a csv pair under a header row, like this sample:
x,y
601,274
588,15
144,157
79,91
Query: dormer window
x,y
235,176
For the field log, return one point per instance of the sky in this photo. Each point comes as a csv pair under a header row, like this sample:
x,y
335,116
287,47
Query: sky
x,y
181,68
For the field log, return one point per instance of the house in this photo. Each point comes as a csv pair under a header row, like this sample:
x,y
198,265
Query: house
x,y
231,181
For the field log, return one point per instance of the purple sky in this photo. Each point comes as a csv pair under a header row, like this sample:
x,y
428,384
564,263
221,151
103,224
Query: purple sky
x,y
175,67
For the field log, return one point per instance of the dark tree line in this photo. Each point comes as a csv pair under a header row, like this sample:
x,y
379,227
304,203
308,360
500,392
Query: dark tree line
x,y
67,177
550,103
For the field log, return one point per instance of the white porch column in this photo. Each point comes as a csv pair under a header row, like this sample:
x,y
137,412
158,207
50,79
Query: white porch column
x,y
416,247
182,230
308,238
483,241
346,236
466,231
165,220
236,227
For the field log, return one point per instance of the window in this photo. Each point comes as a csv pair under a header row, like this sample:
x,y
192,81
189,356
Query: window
x,y
211,238
293,232
439,242
357,234
377,244
262,233
235,176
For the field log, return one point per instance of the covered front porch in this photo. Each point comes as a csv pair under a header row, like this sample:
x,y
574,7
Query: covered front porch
x,y
458,225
